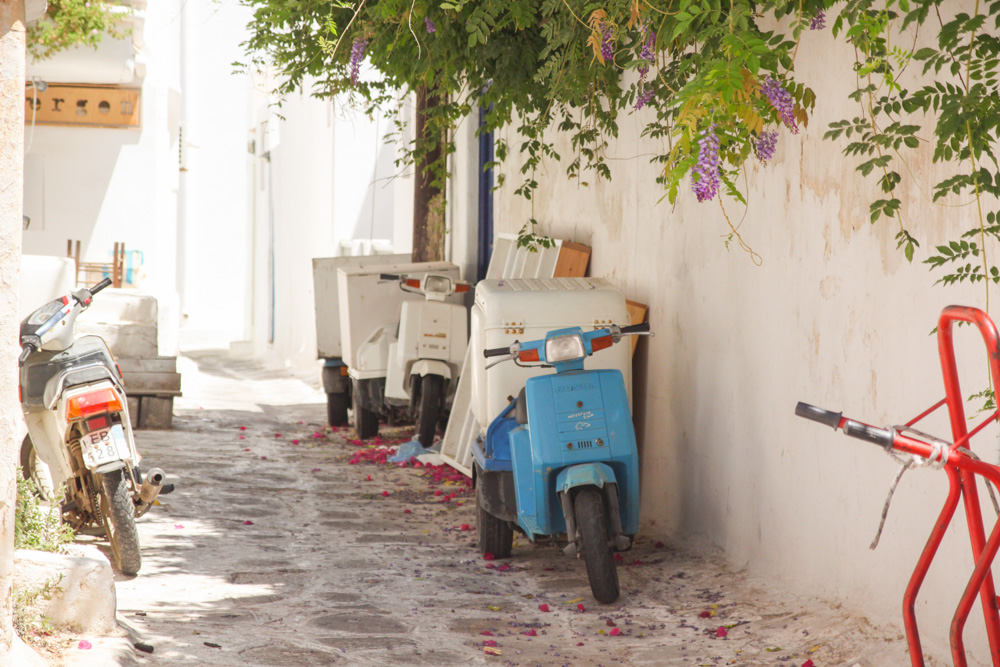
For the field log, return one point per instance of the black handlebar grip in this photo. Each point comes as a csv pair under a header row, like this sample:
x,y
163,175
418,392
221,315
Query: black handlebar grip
x,y
25,353
388,276
877,436
99,286
642,327
831,419
496,352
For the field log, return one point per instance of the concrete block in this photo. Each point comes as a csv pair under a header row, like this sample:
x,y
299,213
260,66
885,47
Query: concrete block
x,y
126,339
86,601
157,412
122,305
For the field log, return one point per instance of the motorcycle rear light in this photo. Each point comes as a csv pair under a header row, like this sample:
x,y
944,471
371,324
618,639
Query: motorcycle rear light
x,y
564,348
601,343
92,403
528,355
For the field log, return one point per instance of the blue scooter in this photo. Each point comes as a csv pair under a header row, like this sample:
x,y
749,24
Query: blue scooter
x,y
561,457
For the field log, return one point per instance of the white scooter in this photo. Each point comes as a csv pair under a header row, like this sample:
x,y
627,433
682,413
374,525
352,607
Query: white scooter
x,y
427,356
79,434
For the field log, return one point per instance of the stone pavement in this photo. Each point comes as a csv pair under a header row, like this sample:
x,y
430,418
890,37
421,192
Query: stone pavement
x,y
284,546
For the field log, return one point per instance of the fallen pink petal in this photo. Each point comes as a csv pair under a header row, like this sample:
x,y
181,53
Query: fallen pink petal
x,y
295,442
705,614
277,435
178,525
316,469
543,607
84,644
615,632
659,545
242,438
580,644
808,663
464,527
407,512
385,494
486,633
369,478
721,632
531,633
248,523
580,607
243,428
488,556
610,623
489,642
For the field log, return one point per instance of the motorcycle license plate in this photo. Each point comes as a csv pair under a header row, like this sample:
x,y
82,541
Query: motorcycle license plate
x,y
100,447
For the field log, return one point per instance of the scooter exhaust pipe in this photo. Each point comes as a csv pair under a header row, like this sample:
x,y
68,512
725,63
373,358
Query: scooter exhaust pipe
x,y
152,486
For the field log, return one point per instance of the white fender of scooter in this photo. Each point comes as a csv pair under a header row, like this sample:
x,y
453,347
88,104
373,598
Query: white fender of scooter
x,y
50,451
424,367
395,387
372,359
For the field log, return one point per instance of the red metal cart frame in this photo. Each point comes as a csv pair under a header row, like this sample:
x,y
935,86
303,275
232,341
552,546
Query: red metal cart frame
x,y
961,467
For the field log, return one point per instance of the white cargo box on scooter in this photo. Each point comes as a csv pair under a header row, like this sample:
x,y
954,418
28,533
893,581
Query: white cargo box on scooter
x,y
521,310
368,305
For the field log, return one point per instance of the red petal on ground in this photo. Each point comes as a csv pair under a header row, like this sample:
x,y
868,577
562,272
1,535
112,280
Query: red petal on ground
x,y
615,632
263,458
248,523
352,462
277,435
315,469
385,494
637,562
808,663
489,642
659,545
242,438
84,645
295,442
580,607
619,558
407,512
178,525
246,449
491,566
438,492
530,633
705,614
464,527
486,633
369,478
488,556
580,644
610,623
317,435
543,607
243,428
721,632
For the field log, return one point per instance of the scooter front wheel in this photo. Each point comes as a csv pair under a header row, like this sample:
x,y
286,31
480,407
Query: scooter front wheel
x,y
431,401
595,543
119,512
495,535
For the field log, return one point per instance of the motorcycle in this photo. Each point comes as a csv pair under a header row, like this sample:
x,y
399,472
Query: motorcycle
x,y
426,357
562,457
79,434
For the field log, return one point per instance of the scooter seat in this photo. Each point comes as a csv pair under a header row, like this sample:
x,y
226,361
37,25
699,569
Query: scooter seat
x,y
521,408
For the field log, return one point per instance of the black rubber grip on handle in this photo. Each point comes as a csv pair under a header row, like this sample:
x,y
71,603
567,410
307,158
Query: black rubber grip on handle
x,y
388,276
25,353
642,327
877,436
828,417
496,352
99,286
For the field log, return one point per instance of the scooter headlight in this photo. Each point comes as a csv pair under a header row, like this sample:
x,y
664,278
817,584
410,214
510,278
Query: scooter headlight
x,y
437,284
564,348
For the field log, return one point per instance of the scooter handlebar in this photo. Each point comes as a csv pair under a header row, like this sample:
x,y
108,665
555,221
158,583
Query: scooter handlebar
x,y
25,353
496,352
828,417
388,276
882,437
99,286
642,327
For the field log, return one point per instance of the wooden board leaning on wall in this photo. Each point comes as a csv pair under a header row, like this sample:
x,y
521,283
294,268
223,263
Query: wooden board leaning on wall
x,y
82,106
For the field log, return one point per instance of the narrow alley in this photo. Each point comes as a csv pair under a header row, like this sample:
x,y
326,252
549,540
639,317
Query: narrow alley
x,y
285,544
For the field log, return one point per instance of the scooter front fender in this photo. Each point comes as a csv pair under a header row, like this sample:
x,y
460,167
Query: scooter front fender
x,y
585,474
424,367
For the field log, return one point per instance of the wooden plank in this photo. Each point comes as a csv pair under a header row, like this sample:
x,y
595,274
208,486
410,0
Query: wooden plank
x,y
80,104
636,315
151,382
148,365
573,260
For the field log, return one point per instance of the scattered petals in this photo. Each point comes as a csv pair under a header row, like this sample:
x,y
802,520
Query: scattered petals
x,y
580,607
243,428
385,494
464,527
246,449
705,614
580,644
610,623
263,458
543,607
178,525
488,556
277,435
315,469
242,438
619,559
295,442
84,645
407,512
248,522
437,492
369,478
530,633
486,633
489,642
721,632
615,632
808,663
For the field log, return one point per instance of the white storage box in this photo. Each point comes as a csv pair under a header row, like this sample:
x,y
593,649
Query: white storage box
x,y
327,296
368,303
521,310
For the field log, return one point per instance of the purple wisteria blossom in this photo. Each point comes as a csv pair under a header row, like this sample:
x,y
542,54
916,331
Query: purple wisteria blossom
x,y
431,26
357,55
648,45
607,42
643,99
781,100
819,21
765,144
707,169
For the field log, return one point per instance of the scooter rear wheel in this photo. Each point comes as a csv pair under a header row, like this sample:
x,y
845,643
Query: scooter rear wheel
x,y
495,535
595,543
336,408
365,421
120,514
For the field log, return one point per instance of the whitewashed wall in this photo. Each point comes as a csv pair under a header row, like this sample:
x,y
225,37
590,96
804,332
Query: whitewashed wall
x,y
834,316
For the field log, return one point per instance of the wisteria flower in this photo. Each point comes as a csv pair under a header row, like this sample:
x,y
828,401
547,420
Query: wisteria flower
x,y
648,45
765,144
431,27
706,185
819,21
357,55
643,98
781,100
607,42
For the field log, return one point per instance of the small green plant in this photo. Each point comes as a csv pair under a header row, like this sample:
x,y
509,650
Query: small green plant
x,y
36,526
69,23
29,622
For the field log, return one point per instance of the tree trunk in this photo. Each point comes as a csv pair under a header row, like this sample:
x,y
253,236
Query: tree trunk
x,y
12,59
428,200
